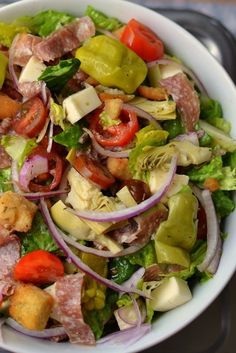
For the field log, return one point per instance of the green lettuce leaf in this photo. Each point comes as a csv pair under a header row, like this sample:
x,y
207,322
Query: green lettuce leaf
x,y
57,115
144,257
38,237
209,170
220,123
210,108
121,269
58,75
223,202
174,127
70,136
9,31
45,22
97,319
5,180
18,147
124,300
101,20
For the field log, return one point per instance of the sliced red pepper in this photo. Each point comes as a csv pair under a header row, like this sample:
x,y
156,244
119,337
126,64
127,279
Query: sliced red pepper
x,y
117,135
142,40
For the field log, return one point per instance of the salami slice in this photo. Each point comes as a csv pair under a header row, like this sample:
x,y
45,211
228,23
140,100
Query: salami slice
x,y
30,89
9,254
65,39
186,98
7,288
23,48
68,310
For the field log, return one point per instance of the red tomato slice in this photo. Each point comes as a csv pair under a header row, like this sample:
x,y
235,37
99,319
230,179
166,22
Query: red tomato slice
x,y
142,40
38,267
31,118
92,170
116,135
47,181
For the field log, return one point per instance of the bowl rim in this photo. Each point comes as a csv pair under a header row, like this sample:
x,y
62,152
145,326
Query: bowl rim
x,y
222,277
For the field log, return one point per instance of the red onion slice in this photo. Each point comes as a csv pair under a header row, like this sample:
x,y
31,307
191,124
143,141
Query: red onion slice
x,y
212,268
133,321
47,333
15,176
76,260
31,169
136,276
2,322
38,195
213,229
126,213
11,63
191,137
50,137
106,32
101,253
181,67
105,152
126,337
141,113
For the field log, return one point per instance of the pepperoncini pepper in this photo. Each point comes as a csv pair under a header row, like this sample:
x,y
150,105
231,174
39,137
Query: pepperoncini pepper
x,y
111,63
94,295
177,235
3,68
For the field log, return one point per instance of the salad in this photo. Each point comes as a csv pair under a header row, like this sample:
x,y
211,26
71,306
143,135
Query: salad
x,y
117,171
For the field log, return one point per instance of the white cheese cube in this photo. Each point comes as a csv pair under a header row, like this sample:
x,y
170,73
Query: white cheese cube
x,y
171,293
80,104
32,70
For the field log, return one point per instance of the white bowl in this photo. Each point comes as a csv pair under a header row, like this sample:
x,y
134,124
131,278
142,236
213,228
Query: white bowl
x,y
220,87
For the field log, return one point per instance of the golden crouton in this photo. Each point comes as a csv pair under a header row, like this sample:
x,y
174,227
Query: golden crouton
x,y
119,168
16,212
31,306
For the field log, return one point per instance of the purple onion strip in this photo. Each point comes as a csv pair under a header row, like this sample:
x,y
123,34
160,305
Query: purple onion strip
x,y
141,113
47,333
76,260
126,213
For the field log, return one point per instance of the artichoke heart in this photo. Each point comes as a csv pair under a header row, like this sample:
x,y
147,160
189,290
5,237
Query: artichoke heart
x,y
161,110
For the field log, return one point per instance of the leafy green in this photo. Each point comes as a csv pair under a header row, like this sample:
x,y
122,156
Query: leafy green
x,y
38,237
18,147
57,114
9,31
45,22
144,257
125,299
58,75
101,20
223,202
121,269
205,140
220,123
209,170
210,108
230,159
97,319
5,180
174,127
107,121
70,136
3,68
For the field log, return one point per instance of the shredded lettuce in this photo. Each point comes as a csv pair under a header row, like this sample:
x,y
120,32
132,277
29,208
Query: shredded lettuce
x,y
5,180
210,108
57,115
174,127
121,269
70,136
18,147
223,202
45,22
106,121
144,257
38,237
58,75
124,300
9,31
101,20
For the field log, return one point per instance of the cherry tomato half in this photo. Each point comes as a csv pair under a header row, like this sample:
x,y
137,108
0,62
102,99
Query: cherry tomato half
x,y
116,135
142,40
38,267
92,170
47,181
31,118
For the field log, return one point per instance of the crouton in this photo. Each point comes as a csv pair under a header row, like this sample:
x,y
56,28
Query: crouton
x,y
119,168
16,212
31,306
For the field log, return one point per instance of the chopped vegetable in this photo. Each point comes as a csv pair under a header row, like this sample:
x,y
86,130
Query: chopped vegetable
x,y
9,31
3,68
70,136
5,180
101,20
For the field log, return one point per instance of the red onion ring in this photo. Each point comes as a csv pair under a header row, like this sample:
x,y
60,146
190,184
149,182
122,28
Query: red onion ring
x,y
136,276
76,260
181,67
191,137
47,333
101,253
103,151
141,113
126,213
38,195
11,63
32,168
212,268
128,336
213,229
15,176
140,314
50,137
106,32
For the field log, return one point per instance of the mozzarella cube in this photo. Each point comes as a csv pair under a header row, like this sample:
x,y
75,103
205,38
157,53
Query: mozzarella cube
x,y
32,70
171,293
80,104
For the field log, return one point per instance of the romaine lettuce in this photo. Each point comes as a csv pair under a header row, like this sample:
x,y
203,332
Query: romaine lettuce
x,y
101,20
223,202
70,136
5,180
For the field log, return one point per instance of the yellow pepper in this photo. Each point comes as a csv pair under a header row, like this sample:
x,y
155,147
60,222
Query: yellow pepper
x,y
111,63
3,68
